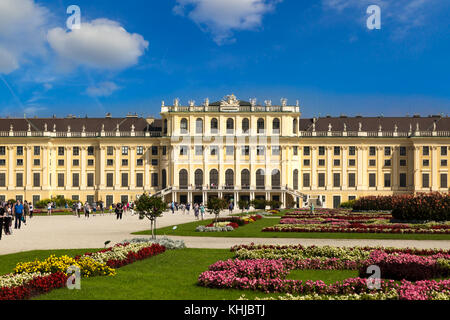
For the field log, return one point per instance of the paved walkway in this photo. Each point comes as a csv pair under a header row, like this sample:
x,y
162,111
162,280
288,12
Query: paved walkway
x,y
70,232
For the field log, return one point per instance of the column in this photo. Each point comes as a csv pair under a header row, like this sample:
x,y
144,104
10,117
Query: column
x,y
396,168
329,166
69,183
252,158
45,185
284,156
147,168
410,164
417,179
11,184
435,178
133,168
28,163
117,168
102,173
83,157
344,165
313,168
361,173
380,165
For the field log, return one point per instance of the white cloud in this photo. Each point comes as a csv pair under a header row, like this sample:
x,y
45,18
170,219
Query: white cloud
x,y
221,17
22,32
100,44
104,89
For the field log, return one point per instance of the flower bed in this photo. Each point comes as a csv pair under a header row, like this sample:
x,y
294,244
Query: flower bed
x,y
36,277
228,223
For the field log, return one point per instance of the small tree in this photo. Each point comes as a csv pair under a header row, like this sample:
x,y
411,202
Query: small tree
x,y
215,205
150,207
259,203
243,204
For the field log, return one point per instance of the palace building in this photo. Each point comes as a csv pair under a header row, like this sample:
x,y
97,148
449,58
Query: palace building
x,y
231,149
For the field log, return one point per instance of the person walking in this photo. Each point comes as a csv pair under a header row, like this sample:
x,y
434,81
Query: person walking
x,y
18,212
26,212
202,211
196,211
7,220
230,207
188,207
49,209
31,209
87,210
2,217
172,207
79,208
119,211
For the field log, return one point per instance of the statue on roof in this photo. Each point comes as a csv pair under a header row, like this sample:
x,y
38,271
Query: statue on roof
x,y
360,126
132,128
11,127
395,128
68,128
84,128
29,127
330,127
230,100
345,127
434,126
54,127
284,102
206,102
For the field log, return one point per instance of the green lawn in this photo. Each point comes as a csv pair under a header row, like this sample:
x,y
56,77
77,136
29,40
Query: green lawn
x,y
253,230
168,276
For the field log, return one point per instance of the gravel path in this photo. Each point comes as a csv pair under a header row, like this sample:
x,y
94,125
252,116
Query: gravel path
x,y
70,232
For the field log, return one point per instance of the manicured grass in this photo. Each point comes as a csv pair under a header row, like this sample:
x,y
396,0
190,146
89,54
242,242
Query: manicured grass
x,y
169,276
253,230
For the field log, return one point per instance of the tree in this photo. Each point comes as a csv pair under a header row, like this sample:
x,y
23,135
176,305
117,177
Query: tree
x,y
150,207
215,205
259,203
243,204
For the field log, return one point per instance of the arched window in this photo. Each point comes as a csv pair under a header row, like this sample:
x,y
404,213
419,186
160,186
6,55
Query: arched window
x,y
214,179
199,126
295,179
245,125
276,126
295,126
184,125
260,125
165,126
245,179
198,179
260,179
229,179
214,126
183,179
164,178
276,183
230,125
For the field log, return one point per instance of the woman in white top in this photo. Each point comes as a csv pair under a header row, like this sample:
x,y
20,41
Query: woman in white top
x,y
49,208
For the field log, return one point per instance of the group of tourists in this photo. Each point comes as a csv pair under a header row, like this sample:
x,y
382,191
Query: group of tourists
x,y
17,212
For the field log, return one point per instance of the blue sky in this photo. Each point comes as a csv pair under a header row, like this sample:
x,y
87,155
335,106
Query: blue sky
x,y
319,52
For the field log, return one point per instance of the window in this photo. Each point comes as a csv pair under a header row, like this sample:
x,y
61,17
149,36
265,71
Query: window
x,y
2,162
321,151
90,151
229,150
75,180
110,151
426,151
154,162
124,162
61,162
139,162
260,179
90,162
260,150
321,162
306,151
198,178
184,125
124,151
387,180
124,179
444,180
372,180
20,162
426,163
337,151
402,151
321,180
37,162
276,150
76,151
164,150
402,180
276,126
109,200
2,179
372,163
109,179
295,150
214,126
36,179
295,178
352,151
37,151
245,125
276,179
443,151
154,178
214,178
336,180
214,151
387,162
387,151
199,126
245,150
260,125
230,125
443,163
154,150
294,126
183,179
140,150
372,151
306,180
183,150
425,180
351,162
402,163
198,150
75,162
351,180
19,179
60,151
20,151
350,198
2,151
336,162
139,180
306,162
61,180
109,162
90,179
